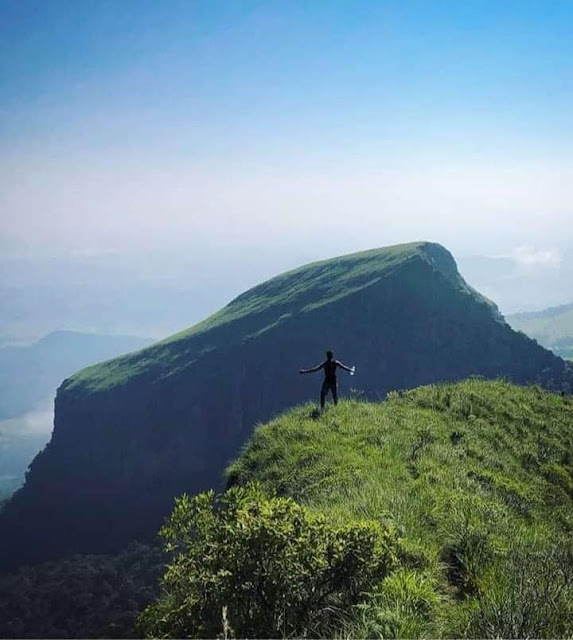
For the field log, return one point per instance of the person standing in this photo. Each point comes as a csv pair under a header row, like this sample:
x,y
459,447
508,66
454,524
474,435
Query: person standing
x,y
329,383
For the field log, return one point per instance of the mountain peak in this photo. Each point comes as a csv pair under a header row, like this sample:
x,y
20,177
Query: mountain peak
x,y
440,258
325,281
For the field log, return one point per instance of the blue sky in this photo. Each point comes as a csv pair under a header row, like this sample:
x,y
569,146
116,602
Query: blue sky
x,y
340,70
138,125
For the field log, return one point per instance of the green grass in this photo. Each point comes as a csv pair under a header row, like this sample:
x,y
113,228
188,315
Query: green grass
x,y
334,278
478,478
262,308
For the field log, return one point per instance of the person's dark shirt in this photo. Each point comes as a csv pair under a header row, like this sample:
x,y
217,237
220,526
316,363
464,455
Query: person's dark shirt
x,y
329,367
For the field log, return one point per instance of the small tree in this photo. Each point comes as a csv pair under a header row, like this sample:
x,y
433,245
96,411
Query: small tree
x,y
269,566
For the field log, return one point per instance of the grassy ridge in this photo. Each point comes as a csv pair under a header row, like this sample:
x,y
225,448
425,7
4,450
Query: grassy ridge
x,y
334,278
267,306
478,477
253,312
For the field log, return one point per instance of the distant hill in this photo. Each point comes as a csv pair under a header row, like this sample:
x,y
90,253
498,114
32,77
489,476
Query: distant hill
x,y
478,479
552,328
132,433
524,280
29,374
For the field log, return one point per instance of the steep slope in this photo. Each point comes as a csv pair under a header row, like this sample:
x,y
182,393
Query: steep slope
x,y
477,476
552,328
132,433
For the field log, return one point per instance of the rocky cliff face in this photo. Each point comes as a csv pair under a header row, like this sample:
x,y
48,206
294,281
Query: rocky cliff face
x,y
132,433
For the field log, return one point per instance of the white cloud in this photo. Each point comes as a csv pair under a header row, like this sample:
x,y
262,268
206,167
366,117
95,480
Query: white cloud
x,y
40,421
530,256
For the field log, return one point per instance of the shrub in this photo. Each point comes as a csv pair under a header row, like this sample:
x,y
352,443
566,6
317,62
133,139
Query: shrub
x,y
268,565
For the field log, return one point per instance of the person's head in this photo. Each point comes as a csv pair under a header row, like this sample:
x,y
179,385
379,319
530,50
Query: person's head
x,y
329,355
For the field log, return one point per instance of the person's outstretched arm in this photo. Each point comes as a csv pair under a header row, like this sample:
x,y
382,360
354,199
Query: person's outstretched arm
x,y
349,369
313,369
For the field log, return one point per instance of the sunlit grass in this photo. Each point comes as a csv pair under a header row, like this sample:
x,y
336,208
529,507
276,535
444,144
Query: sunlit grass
x,y
270,305
474,475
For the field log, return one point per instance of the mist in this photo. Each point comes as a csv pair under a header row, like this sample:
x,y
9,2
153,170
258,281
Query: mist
x,y
38,423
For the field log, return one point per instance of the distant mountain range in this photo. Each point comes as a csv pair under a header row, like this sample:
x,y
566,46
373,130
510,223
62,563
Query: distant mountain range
x,y
132,433
552,328
524,282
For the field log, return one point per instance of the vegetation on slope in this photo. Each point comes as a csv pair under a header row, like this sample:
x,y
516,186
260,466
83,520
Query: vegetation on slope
x,y
268,305
90,596
476,478
252,566
552,328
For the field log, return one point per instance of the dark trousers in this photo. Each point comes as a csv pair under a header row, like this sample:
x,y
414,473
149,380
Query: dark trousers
x,y
326,387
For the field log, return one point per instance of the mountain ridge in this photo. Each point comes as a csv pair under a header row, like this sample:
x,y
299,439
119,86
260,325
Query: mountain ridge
x,y
473,477
263,300
549,312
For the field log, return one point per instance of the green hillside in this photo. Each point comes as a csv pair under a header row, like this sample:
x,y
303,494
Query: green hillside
x,y
268,306
553,328
478,478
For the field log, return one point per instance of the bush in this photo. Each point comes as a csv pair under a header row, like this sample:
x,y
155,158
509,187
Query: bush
x,y
254,566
